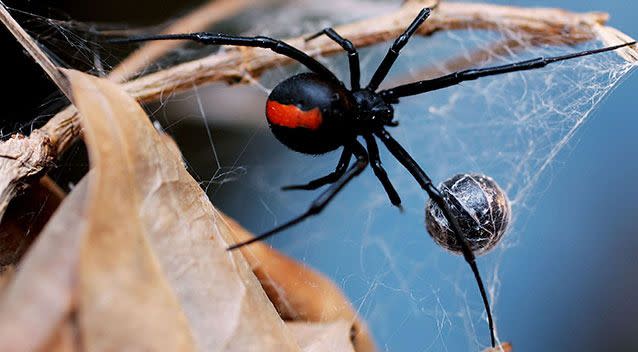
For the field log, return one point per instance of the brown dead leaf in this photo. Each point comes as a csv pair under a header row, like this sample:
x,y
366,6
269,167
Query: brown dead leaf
x,y
220,297
65,339
298,292
25,217
125,302
320,337
504,347
41,294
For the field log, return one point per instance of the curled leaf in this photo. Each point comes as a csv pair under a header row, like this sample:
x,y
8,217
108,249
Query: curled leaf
x,y
42,293
154,234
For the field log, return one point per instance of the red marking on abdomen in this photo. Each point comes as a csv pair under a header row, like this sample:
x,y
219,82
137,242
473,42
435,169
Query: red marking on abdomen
x,y
291,116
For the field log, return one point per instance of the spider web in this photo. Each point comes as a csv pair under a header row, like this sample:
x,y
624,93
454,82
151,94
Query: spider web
x,y
413,294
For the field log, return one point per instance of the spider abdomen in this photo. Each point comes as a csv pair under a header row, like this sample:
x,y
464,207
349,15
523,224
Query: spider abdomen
x,y
310,114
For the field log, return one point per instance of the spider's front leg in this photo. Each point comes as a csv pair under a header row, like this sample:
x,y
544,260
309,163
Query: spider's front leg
x,y
207,38
332,177
389,59
353,54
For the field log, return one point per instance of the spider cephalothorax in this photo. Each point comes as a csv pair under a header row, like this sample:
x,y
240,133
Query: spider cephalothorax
x,y
315,113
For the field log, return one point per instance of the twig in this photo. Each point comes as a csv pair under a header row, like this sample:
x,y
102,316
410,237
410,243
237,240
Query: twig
x,y
199,19
233,65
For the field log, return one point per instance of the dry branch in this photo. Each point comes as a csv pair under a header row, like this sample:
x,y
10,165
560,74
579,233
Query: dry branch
x,y
235,65
198,20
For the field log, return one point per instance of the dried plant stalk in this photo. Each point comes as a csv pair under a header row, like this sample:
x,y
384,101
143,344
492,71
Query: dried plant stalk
x,y
236,65
199,19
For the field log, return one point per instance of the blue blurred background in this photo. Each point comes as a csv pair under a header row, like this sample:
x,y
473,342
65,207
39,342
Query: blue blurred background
x,y
571,283
568,282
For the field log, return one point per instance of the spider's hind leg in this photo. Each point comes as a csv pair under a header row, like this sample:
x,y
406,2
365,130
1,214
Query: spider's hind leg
x,y
322,200
332,177
433,192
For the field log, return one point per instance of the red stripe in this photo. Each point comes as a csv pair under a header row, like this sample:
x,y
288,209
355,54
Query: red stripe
x,y
293,117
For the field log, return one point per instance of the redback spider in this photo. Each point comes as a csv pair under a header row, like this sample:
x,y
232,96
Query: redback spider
x,y
314,113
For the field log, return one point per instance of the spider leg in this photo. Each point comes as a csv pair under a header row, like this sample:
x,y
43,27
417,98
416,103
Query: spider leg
x,y
426,183
324,198
454,78
353,55
395,49
275,45
341,168
379,171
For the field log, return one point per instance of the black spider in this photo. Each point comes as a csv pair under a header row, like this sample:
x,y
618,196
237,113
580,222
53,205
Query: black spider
x,y
314,113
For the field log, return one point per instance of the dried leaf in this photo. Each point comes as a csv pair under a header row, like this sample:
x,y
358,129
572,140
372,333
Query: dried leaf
x,y
125,302
504,347
65,339
319,337
41,294
26,216
298,292
123,299
137,175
